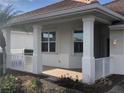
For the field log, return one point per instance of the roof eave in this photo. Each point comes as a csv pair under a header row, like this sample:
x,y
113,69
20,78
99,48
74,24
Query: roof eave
x,y
92,7
117,27
112,13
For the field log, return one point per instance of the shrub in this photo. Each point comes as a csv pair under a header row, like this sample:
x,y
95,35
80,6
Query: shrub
x,y
69,82
74,84
8,83
34,86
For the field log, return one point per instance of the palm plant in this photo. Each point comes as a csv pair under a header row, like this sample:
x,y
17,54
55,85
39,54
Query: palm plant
x,y
6,13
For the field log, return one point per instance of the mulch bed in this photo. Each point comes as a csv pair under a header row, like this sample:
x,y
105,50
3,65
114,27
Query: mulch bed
x,y
101,86
20,73
115,79
112,81
98,87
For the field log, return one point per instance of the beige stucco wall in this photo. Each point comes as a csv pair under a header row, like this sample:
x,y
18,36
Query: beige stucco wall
x,y
64,56
117,51
21,40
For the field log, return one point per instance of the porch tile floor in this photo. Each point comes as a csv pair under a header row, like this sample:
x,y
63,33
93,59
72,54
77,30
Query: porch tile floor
x,y
58,72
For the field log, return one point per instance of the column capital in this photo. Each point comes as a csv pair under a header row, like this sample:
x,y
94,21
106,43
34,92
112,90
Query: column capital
x,y
37,26
5,29
88,18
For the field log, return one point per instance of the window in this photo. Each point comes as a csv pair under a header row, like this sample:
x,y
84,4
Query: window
x,y
78,41
48,41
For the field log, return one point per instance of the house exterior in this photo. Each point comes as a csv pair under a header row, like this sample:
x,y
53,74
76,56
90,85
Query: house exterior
x,y
75,34
21,40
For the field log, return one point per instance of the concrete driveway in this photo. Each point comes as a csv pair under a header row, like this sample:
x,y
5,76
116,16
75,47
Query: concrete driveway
x,y
118,88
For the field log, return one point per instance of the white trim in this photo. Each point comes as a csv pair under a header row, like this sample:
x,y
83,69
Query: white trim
x,y
49,42
72,42
76,53
102,20
21,32
117,27
66,12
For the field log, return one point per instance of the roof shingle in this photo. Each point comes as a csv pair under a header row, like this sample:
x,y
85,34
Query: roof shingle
x,y
65,4
117,6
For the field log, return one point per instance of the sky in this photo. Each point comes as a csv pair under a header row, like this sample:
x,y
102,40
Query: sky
x,y
28,5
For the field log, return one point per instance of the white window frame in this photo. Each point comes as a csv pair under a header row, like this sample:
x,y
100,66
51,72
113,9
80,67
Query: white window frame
x,y
77,53
49,42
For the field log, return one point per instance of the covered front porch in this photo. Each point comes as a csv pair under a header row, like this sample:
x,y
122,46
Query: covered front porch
x,y
72,43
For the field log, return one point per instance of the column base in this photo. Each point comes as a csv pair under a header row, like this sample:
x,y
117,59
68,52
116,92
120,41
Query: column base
x,y
37,64
88,70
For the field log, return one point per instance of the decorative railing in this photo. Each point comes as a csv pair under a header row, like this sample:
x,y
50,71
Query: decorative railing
x,y
102,67
20,62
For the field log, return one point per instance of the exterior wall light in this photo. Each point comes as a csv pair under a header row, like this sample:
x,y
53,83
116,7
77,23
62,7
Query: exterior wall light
x,y
115,42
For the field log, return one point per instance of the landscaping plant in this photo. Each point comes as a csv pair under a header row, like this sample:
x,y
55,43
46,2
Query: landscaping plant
x,y
34,86
68,82
8,84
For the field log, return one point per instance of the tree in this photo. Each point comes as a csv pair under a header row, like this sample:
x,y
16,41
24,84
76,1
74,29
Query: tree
x,y
6,13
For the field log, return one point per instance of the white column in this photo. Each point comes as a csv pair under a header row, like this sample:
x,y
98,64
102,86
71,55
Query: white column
x,y
37,63
7,36
88,62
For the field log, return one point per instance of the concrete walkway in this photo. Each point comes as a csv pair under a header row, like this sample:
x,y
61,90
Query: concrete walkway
x,y
58,72
118,88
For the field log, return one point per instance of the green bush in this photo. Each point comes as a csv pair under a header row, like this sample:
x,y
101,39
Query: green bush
x,y
34,86
68,82
8,83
